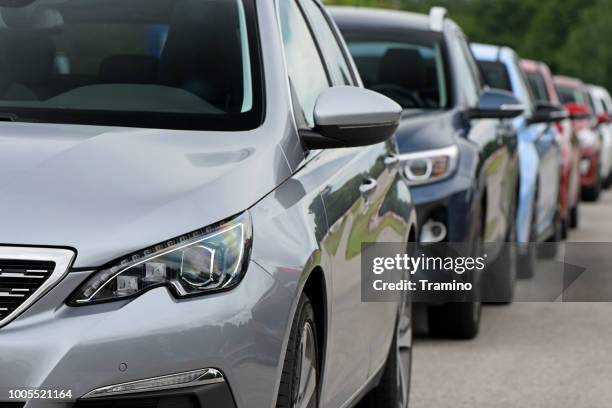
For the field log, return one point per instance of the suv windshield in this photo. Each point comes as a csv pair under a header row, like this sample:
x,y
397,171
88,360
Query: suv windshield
x,y
411,72
182,64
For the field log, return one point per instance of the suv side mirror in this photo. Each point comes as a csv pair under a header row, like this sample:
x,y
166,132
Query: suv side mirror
x,y
577,111
546,112
497,104
604,118
347,116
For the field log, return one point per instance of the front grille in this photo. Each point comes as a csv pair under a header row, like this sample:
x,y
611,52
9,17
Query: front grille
x,y
19,281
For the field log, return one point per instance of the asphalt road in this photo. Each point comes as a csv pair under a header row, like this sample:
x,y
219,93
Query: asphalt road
x,y
536,355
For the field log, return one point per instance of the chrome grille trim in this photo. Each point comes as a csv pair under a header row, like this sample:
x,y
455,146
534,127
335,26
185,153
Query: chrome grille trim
x,y
62,258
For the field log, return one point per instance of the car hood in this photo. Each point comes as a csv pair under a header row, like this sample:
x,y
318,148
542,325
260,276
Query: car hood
x,y
108,192
425,130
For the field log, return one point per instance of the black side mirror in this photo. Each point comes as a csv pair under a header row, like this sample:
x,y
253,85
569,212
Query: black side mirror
x,y
546,112
497,104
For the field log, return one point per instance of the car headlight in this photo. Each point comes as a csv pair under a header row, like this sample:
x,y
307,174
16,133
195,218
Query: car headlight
x,y
587,138
430,166
204,261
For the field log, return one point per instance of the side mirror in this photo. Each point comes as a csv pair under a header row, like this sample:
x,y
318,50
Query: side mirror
x,y
577,111
604,118
348,116
497,104
546,112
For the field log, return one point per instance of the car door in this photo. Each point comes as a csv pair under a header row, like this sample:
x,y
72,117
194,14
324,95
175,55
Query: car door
x,y
355,194
347,191
497,144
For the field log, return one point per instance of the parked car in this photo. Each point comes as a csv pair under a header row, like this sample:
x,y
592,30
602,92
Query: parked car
x,y
539,213
183,228
593,165
458,156
601,104
542,87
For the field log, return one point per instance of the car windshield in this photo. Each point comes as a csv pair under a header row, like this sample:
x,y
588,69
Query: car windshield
x,y
410,72
570,95
496,75
186,64
538,86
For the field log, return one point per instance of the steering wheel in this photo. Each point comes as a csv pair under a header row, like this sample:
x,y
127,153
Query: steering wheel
x,y
397,92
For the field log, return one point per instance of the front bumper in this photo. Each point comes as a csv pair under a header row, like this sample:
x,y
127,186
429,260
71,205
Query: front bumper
x,y
449,202
240,332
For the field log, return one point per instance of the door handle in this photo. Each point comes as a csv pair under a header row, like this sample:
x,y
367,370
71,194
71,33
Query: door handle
x,y
391,160
368,187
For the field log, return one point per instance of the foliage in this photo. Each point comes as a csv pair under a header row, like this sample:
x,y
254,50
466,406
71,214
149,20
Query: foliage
x,y
572,36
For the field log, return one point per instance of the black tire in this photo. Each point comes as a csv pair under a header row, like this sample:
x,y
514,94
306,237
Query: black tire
x,y
289,385
549,249
574,217
455,320
608,181
393,391
593,192
527,258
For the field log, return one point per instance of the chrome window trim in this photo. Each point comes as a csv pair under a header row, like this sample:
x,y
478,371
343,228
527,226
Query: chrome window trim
x,y
61,257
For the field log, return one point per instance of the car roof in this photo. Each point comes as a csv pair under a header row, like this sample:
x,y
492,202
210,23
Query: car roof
x,y
531,65
492,53
568,81
364,17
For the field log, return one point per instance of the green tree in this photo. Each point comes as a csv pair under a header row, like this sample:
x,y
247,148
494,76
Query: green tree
x,y
587,53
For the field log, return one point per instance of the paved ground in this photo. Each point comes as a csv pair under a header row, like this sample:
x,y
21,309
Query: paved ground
x,y
533,355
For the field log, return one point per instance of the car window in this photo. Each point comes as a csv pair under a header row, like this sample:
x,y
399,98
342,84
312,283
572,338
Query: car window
x,y
120,63
468,81
306,70
570,95
496,75
335,58
410,72
538,86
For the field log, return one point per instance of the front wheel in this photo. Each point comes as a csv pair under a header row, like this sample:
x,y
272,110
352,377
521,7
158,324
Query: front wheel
x,y
299,387
393,391
574,217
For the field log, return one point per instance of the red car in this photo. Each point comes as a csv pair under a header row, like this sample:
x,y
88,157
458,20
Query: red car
x,y
543,89
573,95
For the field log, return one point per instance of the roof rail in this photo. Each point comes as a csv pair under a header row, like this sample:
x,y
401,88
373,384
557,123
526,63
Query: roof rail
x,y
437,15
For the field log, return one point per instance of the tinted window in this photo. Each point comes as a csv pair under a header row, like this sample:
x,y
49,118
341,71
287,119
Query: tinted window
x,y
538,86
411,73
468,81
570,95
306,71
336,61
496,75
160,63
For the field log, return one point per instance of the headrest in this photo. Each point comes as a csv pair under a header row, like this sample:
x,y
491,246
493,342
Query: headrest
x,y
32,17
129,69
201,54
402,66
30,56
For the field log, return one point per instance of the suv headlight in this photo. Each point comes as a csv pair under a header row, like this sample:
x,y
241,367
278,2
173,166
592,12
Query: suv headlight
x,y
430,166
204,261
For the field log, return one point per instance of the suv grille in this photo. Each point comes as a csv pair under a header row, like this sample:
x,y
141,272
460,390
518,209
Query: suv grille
x,y
19,280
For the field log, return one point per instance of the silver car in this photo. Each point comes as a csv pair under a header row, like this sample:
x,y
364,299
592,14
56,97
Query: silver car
x,y
185,187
